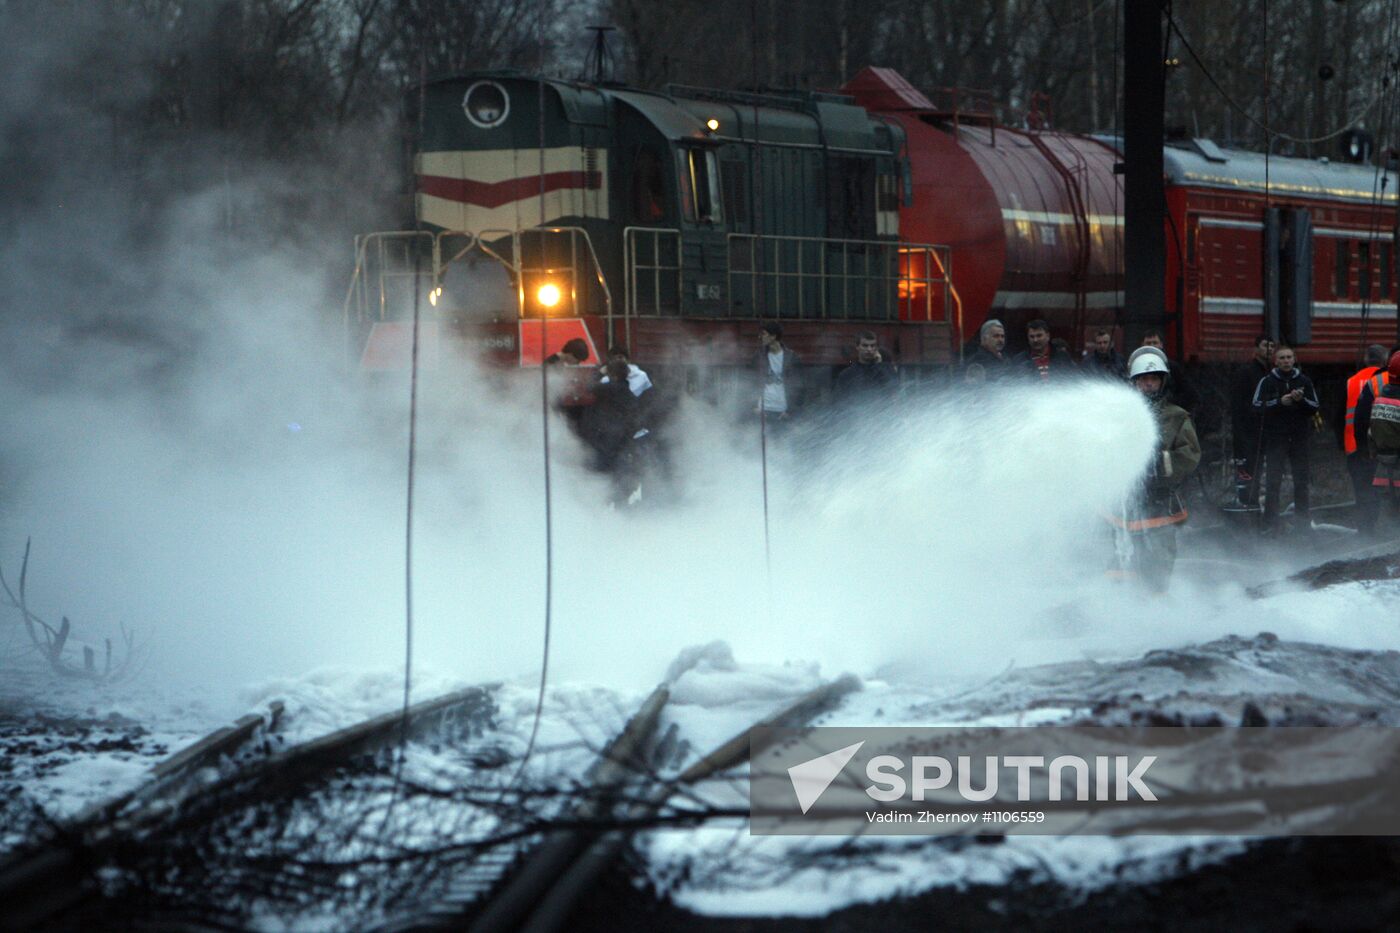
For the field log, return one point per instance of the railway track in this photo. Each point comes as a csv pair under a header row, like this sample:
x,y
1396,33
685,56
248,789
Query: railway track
x,y
61,880
537,885
339,834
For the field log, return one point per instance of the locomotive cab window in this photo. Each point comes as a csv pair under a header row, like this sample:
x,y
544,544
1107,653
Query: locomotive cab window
x,y
648,189
700,191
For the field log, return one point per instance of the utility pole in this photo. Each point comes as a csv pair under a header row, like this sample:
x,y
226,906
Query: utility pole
x,y
1144,103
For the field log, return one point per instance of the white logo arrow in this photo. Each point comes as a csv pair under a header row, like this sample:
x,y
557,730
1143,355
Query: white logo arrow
x,y
811,778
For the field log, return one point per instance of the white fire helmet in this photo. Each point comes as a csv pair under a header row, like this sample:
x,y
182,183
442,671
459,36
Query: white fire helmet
x,y
1146,364
1140,352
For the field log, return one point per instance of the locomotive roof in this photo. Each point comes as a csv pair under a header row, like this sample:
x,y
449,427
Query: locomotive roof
x,y
679,113
1202,163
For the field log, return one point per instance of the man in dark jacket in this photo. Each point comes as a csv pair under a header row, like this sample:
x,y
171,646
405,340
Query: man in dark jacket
x,y
609,426
1286,401
869,378
1244,420
1104,360
991,350
1042,362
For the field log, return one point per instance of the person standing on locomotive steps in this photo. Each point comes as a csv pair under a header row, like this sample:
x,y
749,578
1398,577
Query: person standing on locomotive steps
x,y
777,369
1041,360
1361,390
1286,401
1245,425
991,350
869,377
1159,509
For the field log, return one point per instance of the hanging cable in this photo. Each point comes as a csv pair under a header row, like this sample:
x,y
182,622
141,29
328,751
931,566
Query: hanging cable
x,y
1379,181
758,267
1268,136
408,496
1264,125
544,436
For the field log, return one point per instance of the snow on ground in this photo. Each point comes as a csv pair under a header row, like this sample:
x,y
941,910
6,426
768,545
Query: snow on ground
x,y
67,744
722,870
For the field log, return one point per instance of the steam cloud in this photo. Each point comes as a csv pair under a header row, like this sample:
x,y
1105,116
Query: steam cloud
x,y
185,446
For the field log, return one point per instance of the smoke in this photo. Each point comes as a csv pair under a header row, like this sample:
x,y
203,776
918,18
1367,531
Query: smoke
x,y
192,458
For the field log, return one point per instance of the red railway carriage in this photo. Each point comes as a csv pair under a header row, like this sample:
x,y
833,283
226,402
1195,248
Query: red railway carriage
x,y
1310,259
1034,224
1033,219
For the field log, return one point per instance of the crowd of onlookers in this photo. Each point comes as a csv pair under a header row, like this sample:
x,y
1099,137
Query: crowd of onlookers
x,y
1273,406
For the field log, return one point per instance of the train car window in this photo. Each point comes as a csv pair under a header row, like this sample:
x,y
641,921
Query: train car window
x,y
1343,269
1363,260
887,198
700,189
648,189
733,177
1387,258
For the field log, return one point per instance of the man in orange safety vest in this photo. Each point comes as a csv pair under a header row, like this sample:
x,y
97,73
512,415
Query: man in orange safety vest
x,y
1362,389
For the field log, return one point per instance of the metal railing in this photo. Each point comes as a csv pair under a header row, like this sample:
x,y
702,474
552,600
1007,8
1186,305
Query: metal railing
x,y
824,277
388,260
783,276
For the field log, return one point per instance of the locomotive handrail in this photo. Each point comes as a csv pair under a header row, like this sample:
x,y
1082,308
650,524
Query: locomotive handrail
x,y
950,292
937,256
357,296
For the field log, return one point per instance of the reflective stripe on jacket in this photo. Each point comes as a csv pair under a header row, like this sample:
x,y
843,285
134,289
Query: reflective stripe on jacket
x,y
1354,385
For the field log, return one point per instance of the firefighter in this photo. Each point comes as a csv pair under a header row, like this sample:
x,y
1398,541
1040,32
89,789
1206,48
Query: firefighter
x,y
1152,519
1360,467
1383,432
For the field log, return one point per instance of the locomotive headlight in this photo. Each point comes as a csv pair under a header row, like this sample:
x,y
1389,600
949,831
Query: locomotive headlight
x,y
713,124
548,295
433,295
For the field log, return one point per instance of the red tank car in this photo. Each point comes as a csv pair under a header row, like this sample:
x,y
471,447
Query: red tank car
x,y
1033,219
